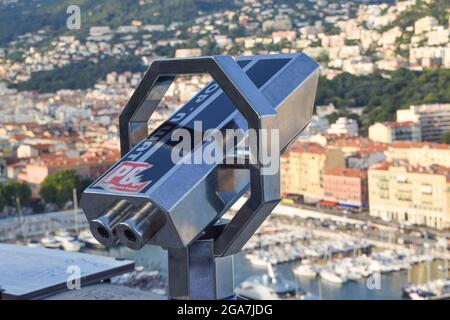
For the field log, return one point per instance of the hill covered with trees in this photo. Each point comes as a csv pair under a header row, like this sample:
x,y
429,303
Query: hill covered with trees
x,y
383,94
79,75
32,15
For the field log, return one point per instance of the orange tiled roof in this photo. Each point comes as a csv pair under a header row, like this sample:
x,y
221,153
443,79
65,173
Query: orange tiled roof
x,y
402,124
433,169
365,145
61,160
346,172
412,144
308,147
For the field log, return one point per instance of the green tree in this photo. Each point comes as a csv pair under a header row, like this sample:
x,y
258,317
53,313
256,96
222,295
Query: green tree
x,y
14,189
57,188
446,138
383,94
2,197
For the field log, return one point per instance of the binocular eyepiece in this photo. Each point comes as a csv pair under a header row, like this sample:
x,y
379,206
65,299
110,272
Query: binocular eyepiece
x,y
104,227
133,226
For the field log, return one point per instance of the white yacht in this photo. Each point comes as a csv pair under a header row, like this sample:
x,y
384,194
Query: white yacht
x,y
306,270
354,276
72,245
255,291
50,242
332,277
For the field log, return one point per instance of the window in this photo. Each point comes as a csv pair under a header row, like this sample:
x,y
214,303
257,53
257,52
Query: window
x,y
426,189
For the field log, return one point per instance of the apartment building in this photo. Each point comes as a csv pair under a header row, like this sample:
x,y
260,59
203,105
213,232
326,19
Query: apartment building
x,y
433,119
389,132
344,126
410,194
303,167
346,187
420,153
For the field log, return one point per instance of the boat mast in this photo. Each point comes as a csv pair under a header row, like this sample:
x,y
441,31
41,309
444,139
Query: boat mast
x,y
75,209
21,219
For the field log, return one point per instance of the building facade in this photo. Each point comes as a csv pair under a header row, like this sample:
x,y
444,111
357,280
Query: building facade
x,y
409,194
346,187
420,153
390,132
303,167
433,119
344,126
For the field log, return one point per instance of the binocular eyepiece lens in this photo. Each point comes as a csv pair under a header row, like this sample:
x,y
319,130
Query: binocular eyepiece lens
x,y
104,227
103,232
136,231
132,228
129,235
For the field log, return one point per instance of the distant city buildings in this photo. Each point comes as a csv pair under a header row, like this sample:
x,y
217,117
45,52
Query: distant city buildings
x,y
425,24
89,166
389,132
433,119
404,181
344,126
184,53
364,38
418,123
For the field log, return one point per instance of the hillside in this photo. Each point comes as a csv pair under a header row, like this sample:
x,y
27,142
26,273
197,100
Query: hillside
x,y
440,9
32,15
384,95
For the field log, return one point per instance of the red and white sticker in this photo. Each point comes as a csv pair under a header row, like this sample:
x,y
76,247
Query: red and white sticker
x,y
125,177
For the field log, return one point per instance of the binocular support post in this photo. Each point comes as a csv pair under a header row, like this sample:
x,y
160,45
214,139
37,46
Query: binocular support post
x,y
196,274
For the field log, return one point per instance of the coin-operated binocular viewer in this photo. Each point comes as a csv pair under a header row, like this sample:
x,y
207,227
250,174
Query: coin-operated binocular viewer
x,y
162,194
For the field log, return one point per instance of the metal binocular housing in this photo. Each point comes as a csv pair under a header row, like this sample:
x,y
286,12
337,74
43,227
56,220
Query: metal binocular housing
x,y
147,198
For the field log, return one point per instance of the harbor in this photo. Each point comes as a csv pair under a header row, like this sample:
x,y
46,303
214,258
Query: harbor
x,y
290,257
390,284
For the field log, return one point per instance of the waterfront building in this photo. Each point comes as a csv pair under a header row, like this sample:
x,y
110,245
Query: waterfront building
x,y
303,167
346,187
412,195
